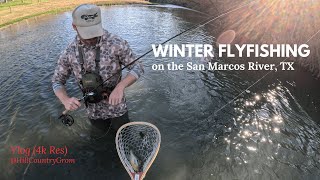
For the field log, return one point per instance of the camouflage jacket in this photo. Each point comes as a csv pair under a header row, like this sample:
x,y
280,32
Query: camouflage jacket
x,y
114,52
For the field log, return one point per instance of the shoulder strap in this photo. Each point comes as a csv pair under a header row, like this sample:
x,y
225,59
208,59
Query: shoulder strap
x,y
81,59
97,60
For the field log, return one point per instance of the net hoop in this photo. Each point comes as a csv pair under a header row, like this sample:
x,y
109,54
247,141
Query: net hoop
x,y
133,174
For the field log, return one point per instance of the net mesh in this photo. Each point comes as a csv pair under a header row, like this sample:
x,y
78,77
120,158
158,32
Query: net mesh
x,y
141,138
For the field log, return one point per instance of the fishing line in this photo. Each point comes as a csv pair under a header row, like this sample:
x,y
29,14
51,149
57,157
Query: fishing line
x,y
232,100
68,120
201,24
104,133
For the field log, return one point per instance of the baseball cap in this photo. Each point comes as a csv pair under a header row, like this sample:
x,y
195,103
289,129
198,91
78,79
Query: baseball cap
x,y
87,19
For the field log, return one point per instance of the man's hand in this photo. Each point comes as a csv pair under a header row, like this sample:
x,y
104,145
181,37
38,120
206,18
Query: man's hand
x,y
118,92
116,95
71,104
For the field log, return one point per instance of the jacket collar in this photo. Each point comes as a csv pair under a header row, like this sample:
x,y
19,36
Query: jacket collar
x,y
99,43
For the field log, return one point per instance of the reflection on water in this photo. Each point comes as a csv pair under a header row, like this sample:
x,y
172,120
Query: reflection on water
x,y
271,137
264,134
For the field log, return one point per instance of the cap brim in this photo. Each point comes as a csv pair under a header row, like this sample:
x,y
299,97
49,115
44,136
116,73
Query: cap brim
x,y
91,31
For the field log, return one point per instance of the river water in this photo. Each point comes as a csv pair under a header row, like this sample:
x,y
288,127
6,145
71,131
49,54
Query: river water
x,y
265,133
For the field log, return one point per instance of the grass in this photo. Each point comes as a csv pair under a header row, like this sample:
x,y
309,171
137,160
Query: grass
x,y
55,11
10,4
20,2
15,3
31,8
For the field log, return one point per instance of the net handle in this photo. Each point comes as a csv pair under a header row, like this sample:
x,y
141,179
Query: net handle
x,y
136,176
141,174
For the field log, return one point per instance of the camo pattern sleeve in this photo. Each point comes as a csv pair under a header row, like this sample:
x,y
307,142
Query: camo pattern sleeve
x,y
62,71
126,57
114,52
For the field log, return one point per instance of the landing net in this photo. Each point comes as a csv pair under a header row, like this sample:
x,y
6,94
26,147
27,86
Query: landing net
x,y
137,144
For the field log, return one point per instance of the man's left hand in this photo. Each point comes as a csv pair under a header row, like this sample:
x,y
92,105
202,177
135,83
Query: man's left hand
x,y
116,95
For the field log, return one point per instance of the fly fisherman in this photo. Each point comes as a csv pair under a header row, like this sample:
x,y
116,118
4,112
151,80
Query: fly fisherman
x,y
92,57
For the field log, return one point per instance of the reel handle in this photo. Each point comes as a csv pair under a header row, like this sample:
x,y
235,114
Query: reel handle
x,y
67,119
65,112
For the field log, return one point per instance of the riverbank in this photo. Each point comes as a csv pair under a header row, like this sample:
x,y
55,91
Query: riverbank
x,y
14,14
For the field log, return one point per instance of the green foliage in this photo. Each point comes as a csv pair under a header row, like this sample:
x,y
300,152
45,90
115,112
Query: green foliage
x,y
176,2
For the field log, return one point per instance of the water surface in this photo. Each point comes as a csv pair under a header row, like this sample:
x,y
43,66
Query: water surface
x,y
264,134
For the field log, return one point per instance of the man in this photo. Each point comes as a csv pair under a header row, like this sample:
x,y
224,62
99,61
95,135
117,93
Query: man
x,y
94,56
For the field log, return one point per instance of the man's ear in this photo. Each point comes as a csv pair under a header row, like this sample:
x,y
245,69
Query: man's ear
x,y
74,27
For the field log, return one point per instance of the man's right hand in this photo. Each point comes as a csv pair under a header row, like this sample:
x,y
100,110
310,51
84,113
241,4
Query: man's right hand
x,y
71,104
